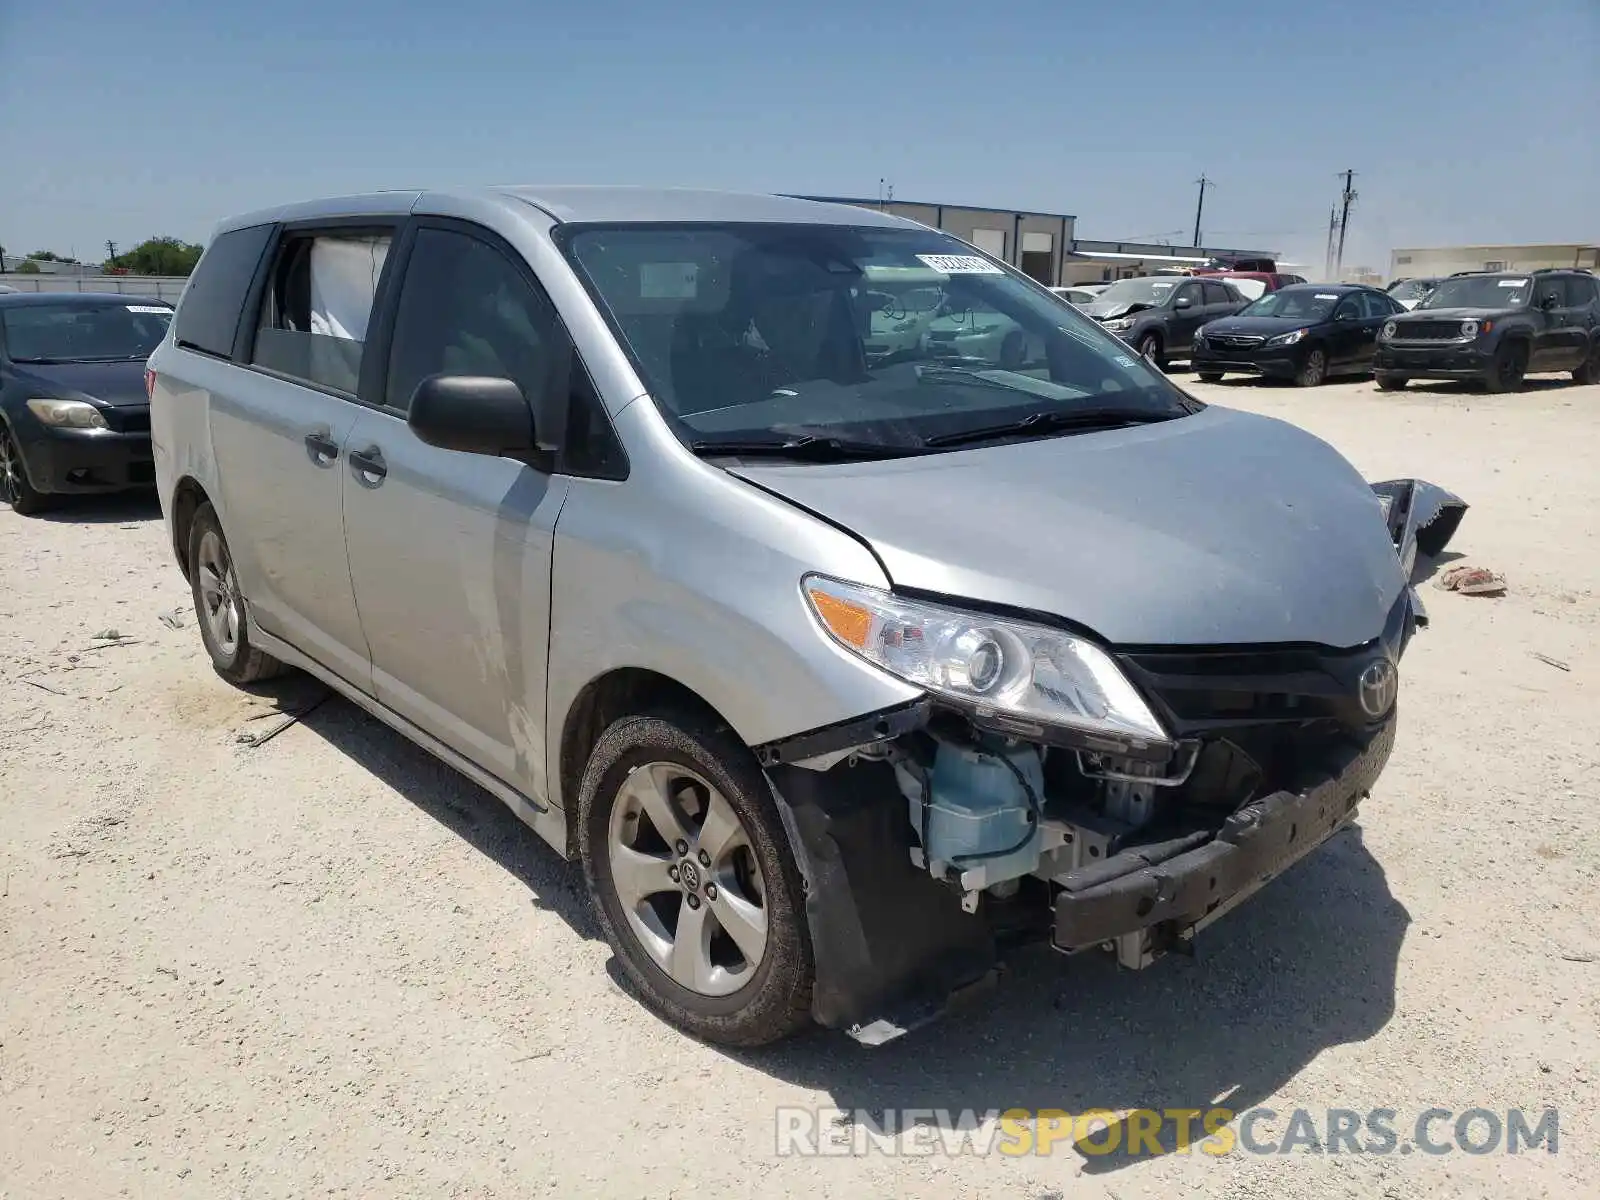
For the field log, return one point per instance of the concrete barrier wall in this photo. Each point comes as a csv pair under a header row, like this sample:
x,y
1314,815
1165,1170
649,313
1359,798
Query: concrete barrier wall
x,y
162,287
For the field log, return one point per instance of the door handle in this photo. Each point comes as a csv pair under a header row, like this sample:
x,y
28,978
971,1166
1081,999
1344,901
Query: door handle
x,y
321,447
368,466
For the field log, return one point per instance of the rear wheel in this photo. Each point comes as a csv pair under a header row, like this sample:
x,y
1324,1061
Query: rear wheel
x,y
1390,383
692,879
1589,370
1151,350
1315,369
219,605
1508,368
15,489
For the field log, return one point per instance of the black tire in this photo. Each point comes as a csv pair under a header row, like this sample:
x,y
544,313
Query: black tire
x,y
1013,350
776,1001
1152,351
15,487
1508,369
1209,376
239,662
1390,383
1314,371
1589,370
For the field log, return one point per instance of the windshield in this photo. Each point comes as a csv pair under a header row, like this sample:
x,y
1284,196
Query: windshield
x,y
87,332
1480,291
1137,291
755,332
1411,289
1296,304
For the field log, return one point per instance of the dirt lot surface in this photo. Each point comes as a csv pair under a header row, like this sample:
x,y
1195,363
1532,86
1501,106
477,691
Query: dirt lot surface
x,y
329,965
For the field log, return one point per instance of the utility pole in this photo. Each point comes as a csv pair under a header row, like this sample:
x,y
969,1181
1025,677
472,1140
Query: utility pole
x,y
111,249
1200,205
1333,237
1349,198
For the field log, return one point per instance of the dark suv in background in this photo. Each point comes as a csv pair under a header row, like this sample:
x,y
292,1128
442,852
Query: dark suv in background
x,y
1495,327
1158,314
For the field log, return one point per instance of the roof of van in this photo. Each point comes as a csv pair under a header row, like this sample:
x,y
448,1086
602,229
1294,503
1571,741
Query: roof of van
x,y
570,203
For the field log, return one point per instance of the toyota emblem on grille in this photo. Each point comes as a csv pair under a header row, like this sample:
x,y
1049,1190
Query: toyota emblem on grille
x,y
1377,688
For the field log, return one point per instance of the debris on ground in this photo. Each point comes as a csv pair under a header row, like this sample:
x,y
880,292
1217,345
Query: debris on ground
x,y
174,619
1550,662
1471,581
43,687
289,717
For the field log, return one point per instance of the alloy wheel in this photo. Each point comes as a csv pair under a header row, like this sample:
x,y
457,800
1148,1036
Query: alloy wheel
x,y
687,879
10,468
219,595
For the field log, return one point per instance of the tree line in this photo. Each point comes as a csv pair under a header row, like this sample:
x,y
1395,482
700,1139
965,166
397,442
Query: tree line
x,y
155,256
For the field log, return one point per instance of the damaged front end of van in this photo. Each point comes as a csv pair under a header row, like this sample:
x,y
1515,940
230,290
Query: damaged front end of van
x,y
1053,785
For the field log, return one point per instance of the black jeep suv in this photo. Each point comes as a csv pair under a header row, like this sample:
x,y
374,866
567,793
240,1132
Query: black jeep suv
x,y
1494,327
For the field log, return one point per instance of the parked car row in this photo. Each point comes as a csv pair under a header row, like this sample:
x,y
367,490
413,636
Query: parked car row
x,y
1491,328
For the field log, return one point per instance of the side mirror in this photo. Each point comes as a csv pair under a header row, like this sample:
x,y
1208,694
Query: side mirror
x,y
475,414
1549,301
1183,302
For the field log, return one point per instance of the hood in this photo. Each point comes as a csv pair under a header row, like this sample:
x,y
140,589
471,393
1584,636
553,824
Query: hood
x,y
1266,326
1456,314
1102,311
118,384
1221,528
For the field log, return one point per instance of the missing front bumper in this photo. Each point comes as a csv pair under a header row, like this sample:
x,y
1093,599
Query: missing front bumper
x,y
1170,900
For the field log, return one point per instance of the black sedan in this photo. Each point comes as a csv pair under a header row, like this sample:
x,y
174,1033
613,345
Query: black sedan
x,y
1306,332
74,415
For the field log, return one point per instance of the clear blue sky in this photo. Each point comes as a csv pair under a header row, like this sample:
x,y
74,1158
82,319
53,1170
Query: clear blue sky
x,y
1466,124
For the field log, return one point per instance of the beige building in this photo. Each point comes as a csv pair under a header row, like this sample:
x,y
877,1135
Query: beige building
x,y
1447,260
1044,245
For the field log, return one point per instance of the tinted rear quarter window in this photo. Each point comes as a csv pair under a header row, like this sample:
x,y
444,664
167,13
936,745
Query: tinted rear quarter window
x,y
318,301
1580,291
208,313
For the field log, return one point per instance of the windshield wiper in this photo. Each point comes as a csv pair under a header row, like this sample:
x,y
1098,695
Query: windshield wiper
x,y
1052,421
809,448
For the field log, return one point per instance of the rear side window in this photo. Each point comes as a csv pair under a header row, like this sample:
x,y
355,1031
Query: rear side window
x,y
208,313
1580,291
318,301
1218,293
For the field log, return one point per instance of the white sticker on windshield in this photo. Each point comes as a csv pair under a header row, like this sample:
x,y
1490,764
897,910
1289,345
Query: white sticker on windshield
x,y
1513,283
669,281
1122,360
156,308
1157,283
960,264
1327,295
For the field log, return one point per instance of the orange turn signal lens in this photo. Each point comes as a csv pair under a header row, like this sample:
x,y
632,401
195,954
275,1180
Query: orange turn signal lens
x,y
850,623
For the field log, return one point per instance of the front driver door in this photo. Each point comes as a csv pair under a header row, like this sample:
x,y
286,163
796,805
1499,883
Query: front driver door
x,y
449,552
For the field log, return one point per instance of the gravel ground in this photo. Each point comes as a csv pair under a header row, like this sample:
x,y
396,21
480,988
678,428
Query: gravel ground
x,y
327,964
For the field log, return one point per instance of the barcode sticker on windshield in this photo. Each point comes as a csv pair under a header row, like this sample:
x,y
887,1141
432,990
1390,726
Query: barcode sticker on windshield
x,y
960,264
156,308
1513,283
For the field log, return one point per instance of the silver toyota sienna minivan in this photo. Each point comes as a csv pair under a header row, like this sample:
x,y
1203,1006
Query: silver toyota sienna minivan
x,y
845,602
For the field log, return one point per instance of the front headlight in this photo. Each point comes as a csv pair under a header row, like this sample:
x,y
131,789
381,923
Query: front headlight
x,y
1200,336
1469,329
68,414
1009,669
1388,330
1120,325
1287,339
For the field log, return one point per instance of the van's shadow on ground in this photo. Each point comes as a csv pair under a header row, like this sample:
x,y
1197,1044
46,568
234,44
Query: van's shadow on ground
x,y
1307,964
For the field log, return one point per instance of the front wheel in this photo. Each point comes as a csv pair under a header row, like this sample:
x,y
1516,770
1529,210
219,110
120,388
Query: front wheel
x,y
1390,383
15,488
1151,351
1315,369
692,879
1509,367
1589,371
